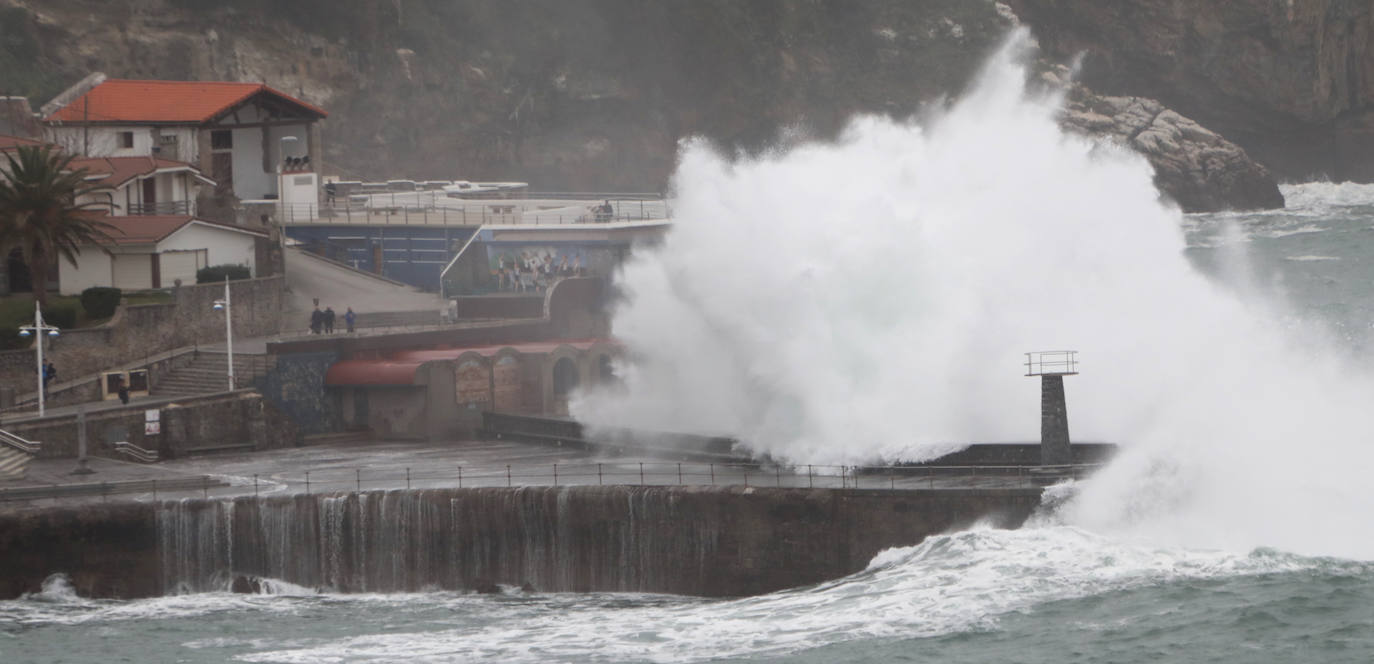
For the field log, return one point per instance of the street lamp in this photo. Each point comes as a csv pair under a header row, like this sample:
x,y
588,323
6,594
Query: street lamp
x,y
224,305
39,327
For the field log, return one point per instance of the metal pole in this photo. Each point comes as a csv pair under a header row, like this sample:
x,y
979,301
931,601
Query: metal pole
x,y
407,478
307,482
598,474
358,478
555,474
641,473
507,475
38,331
460,477
229,330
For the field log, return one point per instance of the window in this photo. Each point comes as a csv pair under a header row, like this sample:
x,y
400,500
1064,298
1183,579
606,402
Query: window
x,y
222,139
126,139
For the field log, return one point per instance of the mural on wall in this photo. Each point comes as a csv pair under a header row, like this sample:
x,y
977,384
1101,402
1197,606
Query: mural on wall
x,y
472,383
506,380
533,268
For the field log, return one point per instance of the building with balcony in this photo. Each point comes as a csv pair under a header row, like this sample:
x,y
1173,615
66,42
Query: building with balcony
x,y
243,135
133,186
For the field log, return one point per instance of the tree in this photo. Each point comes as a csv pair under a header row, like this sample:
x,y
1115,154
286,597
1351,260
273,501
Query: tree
x,y
39,213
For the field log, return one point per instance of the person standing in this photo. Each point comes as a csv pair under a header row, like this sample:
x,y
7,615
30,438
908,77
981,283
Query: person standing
x,y
349,319
123,391
329,320
316,320
49,373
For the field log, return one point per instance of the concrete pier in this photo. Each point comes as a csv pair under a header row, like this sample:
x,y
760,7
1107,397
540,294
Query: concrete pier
x,y
709,541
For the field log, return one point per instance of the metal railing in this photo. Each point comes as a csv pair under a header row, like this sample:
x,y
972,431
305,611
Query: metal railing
x,y
135,452
1051,363
432,208
343,480
160,208
202,483
22,444
682,474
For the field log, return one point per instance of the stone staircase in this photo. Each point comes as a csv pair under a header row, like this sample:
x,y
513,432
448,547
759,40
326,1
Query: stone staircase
x,y
206,374
15,455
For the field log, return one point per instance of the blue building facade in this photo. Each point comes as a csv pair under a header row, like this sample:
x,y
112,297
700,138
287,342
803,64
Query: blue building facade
x,y
415,255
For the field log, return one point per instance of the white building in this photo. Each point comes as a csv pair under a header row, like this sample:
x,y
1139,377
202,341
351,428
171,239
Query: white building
x,y
244,135
141,185
156,251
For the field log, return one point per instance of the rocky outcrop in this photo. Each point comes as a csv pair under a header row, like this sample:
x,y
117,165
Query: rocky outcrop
x,y
1291,82
1195,167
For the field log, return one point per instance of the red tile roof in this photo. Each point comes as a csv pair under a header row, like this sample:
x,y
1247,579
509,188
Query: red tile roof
x,y
150,229
8,143
118,170
185,102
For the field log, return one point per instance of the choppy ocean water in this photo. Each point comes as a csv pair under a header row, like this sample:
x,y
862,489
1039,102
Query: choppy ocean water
x,y
1045,593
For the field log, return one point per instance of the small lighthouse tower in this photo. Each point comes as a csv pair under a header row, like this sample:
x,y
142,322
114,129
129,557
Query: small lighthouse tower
x,y
1051,366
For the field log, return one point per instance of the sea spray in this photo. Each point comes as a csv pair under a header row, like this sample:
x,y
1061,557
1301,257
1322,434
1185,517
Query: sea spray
x,y
870,299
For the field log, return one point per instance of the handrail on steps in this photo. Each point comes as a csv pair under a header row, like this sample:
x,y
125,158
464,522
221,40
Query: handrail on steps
x,y
136,452
23,445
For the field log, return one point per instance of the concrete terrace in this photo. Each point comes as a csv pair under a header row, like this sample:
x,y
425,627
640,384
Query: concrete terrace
x,y
353,466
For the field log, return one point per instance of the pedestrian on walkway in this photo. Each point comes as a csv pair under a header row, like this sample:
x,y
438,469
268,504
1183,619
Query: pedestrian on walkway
x,y
350,318
316,320
123,391
49,373
329,320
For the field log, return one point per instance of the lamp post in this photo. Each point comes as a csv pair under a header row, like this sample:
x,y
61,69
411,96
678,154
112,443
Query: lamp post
x,y
224,305
39,327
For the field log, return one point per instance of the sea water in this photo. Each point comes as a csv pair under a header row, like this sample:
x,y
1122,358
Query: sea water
x,y
869,300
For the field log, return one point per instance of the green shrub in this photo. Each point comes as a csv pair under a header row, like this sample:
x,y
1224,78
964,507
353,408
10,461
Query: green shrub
x,y
216,273
61,314
100,301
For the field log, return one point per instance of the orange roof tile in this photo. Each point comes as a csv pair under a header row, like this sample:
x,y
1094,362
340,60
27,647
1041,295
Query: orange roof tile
x,y
185,102
8,143
150,229
118,170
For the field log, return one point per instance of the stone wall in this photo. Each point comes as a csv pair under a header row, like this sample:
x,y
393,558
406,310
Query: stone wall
x,y
187,425
296,386
141,331
710,541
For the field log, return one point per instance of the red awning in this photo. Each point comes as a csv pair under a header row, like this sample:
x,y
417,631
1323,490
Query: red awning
x,y
372,372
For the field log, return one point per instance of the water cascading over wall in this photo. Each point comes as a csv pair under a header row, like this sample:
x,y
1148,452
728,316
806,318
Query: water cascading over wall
x,y
712,541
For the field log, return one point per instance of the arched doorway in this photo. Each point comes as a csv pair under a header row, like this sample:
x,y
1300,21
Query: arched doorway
x,y
565,378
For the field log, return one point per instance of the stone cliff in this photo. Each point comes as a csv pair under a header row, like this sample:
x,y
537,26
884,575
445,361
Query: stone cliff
x,y
576,94
1291,82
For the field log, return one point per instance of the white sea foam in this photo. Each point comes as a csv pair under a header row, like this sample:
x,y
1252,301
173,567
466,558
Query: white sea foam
x,y
871,299
1309,257
950,583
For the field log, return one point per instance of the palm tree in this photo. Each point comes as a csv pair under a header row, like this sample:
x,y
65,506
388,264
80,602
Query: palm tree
x,y
39,213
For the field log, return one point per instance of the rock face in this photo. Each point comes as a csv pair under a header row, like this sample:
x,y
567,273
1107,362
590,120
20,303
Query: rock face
x,y
1292,82
565,94
1196,167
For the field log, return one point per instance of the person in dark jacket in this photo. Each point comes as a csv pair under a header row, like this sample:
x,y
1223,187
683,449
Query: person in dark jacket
x,y
316,320
329,320
49,373
350,318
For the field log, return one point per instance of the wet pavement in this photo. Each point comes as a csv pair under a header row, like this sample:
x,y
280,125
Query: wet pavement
x,y
394,465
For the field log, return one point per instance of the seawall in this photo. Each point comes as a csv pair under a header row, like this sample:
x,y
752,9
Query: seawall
x,y
707,541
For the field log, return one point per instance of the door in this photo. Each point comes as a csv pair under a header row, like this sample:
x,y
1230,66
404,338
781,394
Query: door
x,y
133,271
181,265
150,196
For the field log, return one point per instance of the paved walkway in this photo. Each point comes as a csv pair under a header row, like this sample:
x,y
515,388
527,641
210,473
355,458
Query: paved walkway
x,y
392,465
